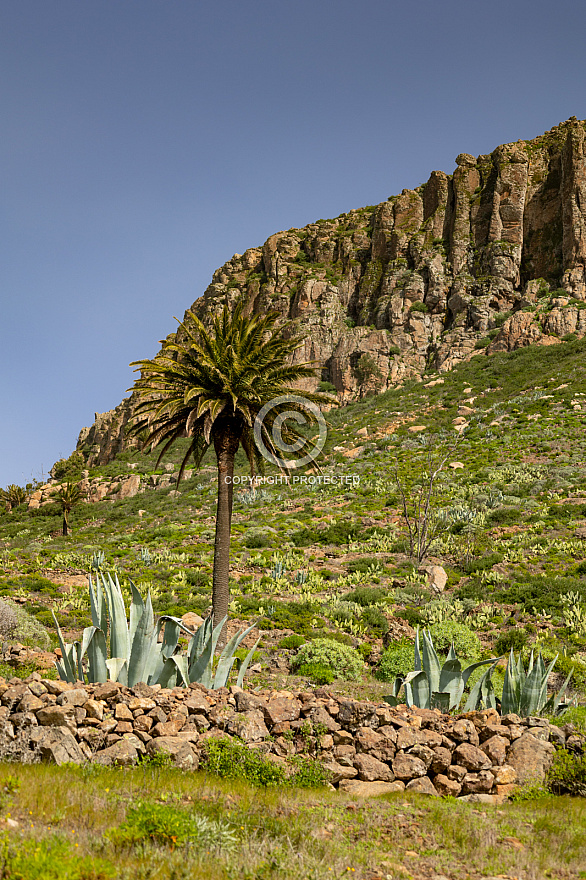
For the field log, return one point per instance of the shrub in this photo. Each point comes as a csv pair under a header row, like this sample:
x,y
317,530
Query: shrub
x,y
27,630
513,639
567,774
466,643
68,469
366,596
419,307
8,620
318,673
327,387
375,619
293,641
168,825
505,516
396,660
342,660
484,563
232,759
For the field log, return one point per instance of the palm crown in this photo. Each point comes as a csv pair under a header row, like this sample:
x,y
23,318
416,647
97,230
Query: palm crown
x,y
210,385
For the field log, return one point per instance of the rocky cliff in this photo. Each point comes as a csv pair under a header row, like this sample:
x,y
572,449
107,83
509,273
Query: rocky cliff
x,y
490,258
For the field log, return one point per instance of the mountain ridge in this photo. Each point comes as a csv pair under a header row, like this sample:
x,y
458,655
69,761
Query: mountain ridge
x,y
489,258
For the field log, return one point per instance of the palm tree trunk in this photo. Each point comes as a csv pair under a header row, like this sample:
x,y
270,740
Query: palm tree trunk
x,y
226,442
65,524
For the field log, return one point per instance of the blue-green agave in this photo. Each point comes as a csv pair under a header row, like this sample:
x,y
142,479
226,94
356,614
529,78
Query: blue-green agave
x,y
432,685
525,692
135,653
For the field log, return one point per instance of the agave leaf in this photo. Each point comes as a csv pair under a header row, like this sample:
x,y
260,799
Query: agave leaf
x,y
452,653
391,700
552,705
418,667
141,645
60,666
451,682
98,605
96,655
245,663
201,670
68,667
179,662
137,606
470,669
480,690
440,700
226,659
511,687
531,691
173,627
199,640
430,662
118,669
418,684
168,675
119,642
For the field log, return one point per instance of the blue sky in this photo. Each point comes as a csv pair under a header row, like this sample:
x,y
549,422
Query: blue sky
x,y
146,141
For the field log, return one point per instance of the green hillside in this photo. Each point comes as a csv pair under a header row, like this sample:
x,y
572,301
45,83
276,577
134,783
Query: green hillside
x,y
330,557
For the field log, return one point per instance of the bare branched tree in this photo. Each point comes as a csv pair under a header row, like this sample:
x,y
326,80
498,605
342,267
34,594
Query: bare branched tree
x,y
418,496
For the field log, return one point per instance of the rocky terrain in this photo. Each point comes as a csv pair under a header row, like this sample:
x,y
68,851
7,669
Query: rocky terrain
x,y
490,258
368,749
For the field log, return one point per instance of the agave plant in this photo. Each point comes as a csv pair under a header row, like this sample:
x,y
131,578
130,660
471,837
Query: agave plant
x,y
136,654
525,693
432,685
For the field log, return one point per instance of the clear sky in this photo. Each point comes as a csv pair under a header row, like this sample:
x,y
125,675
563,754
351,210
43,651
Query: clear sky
x,y
143,142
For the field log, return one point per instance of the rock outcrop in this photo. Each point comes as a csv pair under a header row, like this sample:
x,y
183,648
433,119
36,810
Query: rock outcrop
x,y
368,748
490,258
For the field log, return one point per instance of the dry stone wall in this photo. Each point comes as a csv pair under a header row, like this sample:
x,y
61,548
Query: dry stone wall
x,y
369,748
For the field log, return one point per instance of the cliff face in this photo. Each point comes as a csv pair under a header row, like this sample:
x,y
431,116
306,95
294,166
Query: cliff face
x,y
490,258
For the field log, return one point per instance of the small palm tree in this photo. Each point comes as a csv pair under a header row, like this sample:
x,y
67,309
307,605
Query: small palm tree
x,y
67,497
12,496
210,385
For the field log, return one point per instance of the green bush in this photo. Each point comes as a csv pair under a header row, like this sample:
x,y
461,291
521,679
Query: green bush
x,y
342,660
513,639
327,387
396,660
168,825
318,673
567,774
505,516
419,307
467,645
366,595
293,641
232,759
375,620
483,563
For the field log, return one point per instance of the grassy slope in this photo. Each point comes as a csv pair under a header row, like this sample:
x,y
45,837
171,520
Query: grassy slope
x,y
64,816
535,464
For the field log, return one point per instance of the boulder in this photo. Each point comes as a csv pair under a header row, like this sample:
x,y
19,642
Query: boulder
x,y
530,757
407,767
180,751
57,745
122,753
372,770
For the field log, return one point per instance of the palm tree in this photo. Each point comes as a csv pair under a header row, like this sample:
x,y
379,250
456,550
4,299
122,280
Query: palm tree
x,y
210,386
67,497
12,496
